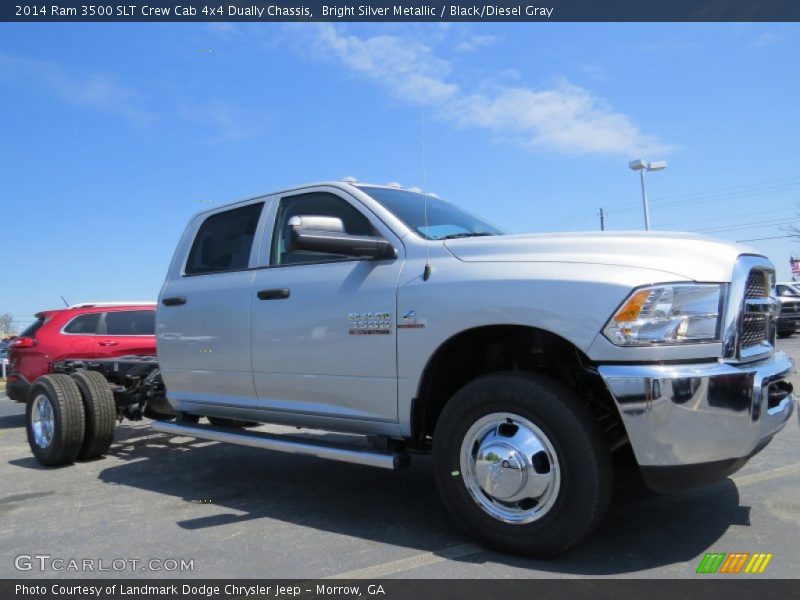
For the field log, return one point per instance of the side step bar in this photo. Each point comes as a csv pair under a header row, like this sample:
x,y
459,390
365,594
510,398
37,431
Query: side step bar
x,y
292,445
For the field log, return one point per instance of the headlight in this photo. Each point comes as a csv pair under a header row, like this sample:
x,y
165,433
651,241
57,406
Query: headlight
x,y
667,314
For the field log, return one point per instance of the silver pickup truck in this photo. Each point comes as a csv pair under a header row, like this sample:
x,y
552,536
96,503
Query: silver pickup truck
x,y
522,363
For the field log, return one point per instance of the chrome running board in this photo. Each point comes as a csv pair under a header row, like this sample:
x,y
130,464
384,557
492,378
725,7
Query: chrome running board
x,y
291,445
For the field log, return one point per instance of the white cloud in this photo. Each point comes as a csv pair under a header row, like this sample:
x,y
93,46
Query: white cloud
x,y
768,38
99,92
215,121
593,72
224,122
223,28
565,118
406,66
474,42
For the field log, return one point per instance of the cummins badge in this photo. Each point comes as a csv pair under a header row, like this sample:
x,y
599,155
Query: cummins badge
x,y
370,323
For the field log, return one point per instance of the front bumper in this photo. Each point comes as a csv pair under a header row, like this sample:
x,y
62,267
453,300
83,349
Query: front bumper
x,y
701,415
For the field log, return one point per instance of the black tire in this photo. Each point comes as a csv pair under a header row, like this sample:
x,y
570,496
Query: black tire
x,y
585,466
226,422
68,420
187,418
100,411
786,334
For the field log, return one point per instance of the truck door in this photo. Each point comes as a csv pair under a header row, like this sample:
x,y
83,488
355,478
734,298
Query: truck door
x,y
203,319
324,340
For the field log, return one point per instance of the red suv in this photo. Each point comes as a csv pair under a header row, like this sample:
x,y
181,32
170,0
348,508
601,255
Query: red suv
x,y
98,330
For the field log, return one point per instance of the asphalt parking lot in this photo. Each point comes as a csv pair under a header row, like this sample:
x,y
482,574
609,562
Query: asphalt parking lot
x,y
242,512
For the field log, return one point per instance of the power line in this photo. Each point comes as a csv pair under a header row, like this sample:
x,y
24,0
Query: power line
x,y
709,199
767,182
591,216
772,186
567,220
753,225
730,196
794,211
771,183
774,237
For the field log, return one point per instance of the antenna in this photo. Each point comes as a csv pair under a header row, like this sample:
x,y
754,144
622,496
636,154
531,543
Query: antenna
x,y
64,301
426,274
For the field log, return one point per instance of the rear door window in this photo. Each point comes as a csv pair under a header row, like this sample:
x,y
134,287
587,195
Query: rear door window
x,y
83,325
131,322
224,241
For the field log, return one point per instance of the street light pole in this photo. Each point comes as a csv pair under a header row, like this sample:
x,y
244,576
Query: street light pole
x,y
642,165
644,202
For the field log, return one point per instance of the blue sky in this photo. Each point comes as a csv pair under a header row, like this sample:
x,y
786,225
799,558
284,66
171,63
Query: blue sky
x,y
114,134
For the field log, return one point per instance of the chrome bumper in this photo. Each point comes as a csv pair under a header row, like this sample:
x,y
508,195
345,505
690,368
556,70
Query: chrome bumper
x,y
677,415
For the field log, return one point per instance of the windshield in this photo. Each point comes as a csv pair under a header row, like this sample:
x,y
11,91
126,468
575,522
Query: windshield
x,y
445,220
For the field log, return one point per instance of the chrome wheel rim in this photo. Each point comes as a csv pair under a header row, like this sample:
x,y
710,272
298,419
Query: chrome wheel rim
x,y
42,421
510,468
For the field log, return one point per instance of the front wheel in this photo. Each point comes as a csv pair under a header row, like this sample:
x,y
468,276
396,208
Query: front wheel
x,y
521,464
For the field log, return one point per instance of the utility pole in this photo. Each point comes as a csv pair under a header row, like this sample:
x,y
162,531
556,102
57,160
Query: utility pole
x,y
602,220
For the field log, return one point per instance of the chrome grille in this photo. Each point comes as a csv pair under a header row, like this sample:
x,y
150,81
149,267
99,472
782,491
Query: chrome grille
x,y
755,328
756,285
748,326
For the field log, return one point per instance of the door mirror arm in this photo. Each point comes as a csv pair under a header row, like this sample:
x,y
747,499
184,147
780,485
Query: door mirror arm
x,y
327,234
329,242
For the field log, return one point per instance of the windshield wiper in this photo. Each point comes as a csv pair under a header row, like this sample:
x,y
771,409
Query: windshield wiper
x,y
454,236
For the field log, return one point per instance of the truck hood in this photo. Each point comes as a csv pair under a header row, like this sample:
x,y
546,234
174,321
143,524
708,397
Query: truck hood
x,y
686,255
